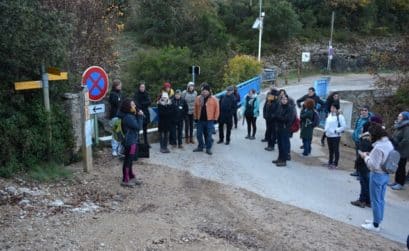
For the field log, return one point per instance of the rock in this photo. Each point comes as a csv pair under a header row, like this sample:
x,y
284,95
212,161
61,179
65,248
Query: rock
x,y
86,207
11,190
56,203
24,203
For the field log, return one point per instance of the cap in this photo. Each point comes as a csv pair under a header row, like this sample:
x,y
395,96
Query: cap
x,y
190,84
230,89
167,85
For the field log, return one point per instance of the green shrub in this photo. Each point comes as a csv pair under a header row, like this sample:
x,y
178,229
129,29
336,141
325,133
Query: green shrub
x,y
241,68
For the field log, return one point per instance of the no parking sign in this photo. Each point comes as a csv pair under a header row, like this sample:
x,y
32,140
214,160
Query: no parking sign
x,y
96,80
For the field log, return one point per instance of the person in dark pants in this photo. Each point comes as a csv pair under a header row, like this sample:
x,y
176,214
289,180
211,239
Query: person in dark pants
x,y
238,104
400,139
165,113
365,145
189,95
180,108
333,98
228,107
270,113
307,127
250,109
143,101
285,117
334,126
115,99
130,126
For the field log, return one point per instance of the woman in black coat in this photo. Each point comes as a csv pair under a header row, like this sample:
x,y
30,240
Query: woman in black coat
x,y
143,101
166,113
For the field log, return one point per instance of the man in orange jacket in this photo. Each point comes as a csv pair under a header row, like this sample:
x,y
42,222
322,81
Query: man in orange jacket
x,y
205,114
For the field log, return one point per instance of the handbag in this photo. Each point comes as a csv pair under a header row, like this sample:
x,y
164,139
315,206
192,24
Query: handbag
x,y
143,150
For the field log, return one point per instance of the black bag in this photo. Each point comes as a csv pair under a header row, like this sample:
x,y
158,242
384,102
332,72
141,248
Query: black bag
x,y
143,150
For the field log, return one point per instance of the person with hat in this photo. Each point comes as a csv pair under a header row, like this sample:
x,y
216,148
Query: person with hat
x,y
206,113
143,101
227,105
167,87
165,113
400,139
334,126
189,95
181,109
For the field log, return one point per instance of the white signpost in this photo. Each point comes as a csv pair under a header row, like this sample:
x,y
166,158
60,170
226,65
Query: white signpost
x,y
98,108
305,57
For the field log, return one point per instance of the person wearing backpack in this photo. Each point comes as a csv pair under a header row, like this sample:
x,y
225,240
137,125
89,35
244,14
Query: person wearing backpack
x,y
378,178
250,110
143,101
307,125
130,126
334,126
115,98
400,139
285,118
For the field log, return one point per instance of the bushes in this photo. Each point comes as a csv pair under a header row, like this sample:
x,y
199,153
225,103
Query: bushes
x,y
241,68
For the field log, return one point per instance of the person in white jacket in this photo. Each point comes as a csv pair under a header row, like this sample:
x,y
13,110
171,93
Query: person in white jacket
x,y
334,126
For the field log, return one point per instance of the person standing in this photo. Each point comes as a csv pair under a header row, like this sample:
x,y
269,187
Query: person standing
x,y
206,113
307,125
238,105
311,95
165,113
180,108
250,110
333,98
189,95
378,179
364,117
228,107
334,126
131,126
270,114
143,101
400,139
115,98
285,118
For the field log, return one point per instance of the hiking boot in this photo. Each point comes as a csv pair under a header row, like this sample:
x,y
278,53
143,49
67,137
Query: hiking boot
x,y
220,141
208,151
269,148
358,203
247,137
127,184
135,181
198,150
354,174
281,163
191,140
276,161
227,142
180,146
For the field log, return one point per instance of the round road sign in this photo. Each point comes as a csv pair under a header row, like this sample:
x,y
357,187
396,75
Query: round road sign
x,y
96,80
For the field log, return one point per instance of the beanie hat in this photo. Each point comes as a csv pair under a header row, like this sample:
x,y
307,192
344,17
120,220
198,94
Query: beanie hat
x,y
230,89
190,84
405,115
167,85
206,87
376,119
178,91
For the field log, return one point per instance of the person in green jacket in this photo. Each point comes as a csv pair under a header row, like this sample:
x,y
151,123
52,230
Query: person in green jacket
x,y
307,127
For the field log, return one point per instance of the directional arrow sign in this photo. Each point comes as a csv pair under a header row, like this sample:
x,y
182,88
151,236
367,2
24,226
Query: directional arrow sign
x,y
94,109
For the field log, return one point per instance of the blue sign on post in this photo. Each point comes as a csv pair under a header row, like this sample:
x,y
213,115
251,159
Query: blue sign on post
x,y
321,87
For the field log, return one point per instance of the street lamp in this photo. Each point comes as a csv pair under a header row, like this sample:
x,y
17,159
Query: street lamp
x,y
258,24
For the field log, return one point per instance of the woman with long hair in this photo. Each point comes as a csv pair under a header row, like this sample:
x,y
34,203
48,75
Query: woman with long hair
x,y
250,109
307,125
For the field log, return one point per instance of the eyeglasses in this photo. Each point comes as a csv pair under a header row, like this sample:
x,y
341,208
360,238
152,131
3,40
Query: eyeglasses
x,y
364,110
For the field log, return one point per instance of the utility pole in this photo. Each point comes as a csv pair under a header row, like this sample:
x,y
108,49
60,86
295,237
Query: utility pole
x,y
261,17
330,50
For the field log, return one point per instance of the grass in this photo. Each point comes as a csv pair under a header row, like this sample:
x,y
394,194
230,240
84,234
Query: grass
x,y
49,172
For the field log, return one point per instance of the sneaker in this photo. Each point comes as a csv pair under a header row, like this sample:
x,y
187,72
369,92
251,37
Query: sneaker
x,y
227,142
173,146
264,140
135,181
180,146
397,187
269,148
281,163
220,141
332,166
198,150
392,184
354,174
252,137
208,151
115,154
247,137
127,184
358,203
276,161
368,221
371,227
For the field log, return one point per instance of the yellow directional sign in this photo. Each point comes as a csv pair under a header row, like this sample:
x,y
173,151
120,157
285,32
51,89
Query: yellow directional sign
x,y
62,76
26,85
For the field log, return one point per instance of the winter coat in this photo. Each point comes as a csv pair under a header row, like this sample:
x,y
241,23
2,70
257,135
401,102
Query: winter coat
x,y
131,125
364,145
359,125
255,104
212,108
378,155
227,108
238,99
334,125
307,127
315,98
400,138
270,110
142,102
190,98
180,108
166,114
170,93
115,99
285,117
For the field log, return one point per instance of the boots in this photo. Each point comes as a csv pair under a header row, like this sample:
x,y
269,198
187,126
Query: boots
x,y
191,140
186,140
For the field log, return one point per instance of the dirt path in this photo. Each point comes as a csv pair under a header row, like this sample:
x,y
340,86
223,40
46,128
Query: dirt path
x,y
171,211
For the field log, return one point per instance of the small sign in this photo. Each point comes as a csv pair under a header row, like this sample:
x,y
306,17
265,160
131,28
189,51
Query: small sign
x,y
256,24
96,79
306,56
94,109
88,133
61,76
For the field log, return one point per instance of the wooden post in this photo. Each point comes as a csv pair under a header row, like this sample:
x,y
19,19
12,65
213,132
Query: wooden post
x,y
86,127
46,96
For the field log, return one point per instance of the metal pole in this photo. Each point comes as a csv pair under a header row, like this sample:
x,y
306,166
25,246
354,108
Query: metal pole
x,y
330,42
193,74
96,129
46,96
260,33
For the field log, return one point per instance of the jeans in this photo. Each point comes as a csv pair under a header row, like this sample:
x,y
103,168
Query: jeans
x,y
116,146
164,135
189,126
283,145
229,125
307,146
271,134
251,123
377,189
204,129
400,175
364,182
333,147
176,132
127,171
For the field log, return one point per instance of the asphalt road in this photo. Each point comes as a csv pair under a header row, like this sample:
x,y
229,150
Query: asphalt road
x,y
245,164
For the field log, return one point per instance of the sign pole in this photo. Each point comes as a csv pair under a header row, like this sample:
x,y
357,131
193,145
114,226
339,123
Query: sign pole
x,y
193,74
96,129
86,131
46,95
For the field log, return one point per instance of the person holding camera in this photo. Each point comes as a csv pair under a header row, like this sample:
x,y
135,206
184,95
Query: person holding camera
x,y
334,126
